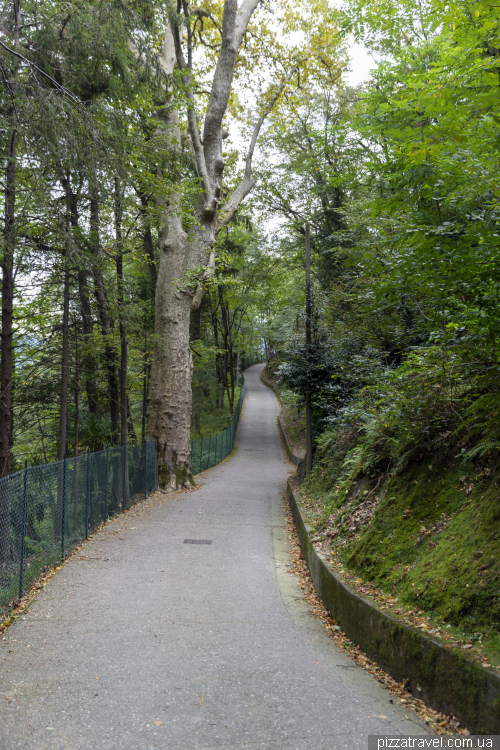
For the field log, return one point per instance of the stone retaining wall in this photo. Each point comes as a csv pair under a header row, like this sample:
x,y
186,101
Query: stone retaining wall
x,y
443,678
291,455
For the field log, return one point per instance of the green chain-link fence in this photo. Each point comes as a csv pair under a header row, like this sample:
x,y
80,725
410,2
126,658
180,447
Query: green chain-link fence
x,y
47,510
210,451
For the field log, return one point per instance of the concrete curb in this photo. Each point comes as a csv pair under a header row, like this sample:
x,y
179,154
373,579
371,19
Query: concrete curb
x,y
444,679
291,455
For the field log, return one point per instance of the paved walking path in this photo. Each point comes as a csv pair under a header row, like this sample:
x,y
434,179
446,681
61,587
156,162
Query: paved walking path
x,y
143,641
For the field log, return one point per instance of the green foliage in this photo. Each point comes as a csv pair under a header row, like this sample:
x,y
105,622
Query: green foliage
x,y
407,166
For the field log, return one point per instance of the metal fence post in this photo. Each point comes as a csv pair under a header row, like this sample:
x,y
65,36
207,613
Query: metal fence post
x,y
124,472
156,466
106,488
87,496
145,470
63,513
23,526
201,455
215,452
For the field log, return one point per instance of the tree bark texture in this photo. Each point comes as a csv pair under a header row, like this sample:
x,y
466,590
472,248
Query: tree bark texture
x,y
169,408
181,253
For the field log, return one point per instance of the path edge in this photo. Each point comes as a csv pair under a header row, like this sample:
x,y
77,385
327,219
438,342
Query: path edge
x,y
443,678
291,455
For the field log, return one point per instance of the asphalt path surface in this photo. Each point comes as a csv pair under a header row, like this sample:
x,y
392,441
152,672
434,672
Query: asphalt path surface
x,y
145,641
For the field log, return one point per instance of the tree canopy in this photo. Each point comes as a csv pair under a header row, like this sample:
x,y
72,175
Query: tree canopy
x,y
131,135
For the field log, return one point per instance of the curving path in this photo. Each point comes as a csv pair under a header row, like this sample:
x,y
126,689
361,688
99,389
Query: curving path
x,y
143,641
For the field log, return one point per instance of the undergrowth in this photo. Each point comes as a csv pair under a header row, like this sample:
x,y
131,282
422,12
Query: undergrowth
x,y
293,413
209,419
404,492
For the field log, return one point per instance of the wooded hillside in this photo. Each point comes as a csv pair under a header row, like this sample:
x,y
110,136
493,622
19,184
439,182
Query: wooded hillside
x,y
399,179
160,161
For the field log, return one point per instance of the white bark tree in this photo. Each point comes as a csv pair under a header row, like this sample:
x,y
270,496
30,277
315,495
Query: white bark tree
x,y
187,257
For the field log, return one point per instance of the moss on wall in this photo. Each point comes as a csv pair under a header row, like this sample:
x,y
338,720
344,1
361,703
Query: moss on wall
x,y
430,536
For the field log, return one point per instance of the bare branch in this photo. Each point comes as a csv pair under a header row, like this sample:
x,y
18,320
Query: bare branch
x,y
242,190
32,65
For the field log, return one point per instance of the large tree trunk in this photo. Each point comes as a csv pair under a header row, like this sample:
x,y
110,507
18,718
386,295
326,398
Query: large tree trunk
x,y
169,405
170,397
181,255
169,408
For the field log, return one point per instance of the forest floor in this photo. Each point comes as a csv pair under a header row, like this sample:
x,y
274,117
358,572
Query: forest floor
x,y
183,623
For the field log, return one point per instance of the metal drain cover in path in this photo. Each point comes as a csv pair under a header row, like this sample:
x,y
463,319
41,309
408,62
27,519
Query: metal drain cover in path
x,y
197,541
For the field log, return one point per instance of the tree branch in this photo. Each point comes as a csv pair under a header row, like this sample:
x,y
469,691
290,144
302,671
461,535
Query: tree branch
x,y
31,64
230,207
243,17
